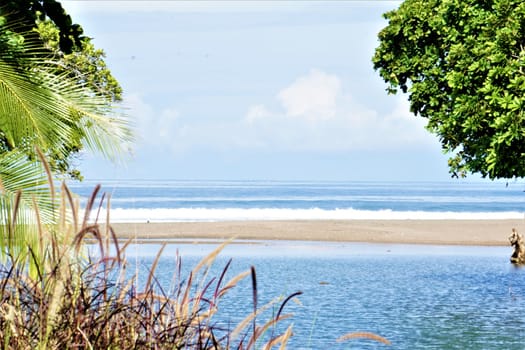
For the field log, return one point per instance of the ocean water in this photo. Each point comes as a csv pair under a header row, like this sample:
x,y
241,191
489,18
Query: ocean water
x,y
141,201
417,296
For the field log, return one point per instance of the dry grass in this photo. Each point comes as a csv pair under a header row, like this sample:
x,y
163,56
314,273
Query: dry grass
x,y
90,301
364,335
80,301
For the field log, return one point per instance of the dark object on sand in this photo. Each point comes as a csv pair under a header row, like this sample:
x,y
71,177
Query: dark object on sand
x,y
516,241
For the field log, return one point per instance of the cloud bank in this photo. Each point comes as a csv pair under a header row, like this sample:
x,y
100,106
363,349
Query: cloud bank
x,y
318,114
313,113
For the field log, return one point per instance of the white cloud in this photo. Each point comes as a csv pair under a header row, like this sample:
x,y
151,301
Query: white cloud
x,y
313,97
167,130
318,115
157,128
313,113
257,112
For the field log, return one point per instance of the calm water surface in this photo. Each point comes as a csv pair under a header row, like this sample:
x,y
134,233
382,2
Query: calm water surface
x,y
417,296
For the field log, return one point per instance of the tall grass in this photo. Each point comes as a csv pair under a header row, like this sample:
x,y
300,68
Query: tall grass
x,y
81,300
89,301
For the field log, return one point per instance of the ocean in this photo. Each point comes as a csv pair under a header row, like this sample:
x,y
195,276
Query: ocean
x,y
157,201
416,296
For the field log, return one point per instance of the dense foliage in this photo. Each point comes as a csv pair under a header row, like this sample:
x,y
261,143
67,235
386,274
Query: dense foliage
x,y
53,37
462,63
31,11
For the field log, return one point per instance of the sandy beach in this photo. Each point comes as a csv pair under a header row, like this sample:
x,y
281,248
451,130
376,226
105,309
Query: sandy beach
x,y
446,232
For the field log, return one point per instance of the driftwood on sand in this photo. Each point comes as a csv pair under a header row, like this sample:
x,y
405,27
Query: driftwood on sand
x,y
516,241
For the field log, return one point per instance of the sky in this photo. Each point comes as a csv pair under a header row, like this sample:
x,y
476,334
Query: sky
x,y
263,90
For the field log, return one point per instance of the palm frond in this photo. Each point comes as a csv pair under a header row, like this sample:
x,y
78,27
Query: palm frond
x,y
17,173
40,107
29,112
26,203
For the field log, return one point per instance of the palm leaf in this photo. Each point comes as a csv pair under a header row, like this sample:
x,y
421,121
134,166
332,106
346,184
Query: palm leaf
x,y
17,173
40,107
50,109
28,111
25,204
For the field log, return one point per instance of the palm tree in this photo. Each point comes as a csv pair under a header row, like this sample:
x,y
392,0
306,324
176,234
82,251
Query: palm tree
x,y
42,110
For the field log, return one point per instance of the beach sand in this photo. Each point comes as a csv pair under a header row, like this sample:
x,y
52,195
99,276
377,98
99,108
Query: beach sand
x,y
446,232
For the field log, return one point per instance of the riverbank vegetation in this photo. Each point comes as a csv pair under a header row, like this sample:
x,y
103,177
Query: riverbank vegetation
x,y
70,298
75,290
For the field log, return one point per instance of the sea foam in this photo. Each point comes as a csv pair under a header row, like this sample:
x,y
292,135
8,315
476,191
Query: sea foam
x,y
256,214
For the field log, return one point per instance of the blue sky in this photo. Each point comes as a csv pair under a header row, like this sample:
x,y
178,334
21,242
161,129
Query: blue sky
x,y
256,90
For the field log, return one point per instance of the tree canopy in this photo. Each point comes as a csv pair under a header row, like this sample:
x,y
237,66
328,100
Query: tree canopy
x,y
51,32
69,33
462,64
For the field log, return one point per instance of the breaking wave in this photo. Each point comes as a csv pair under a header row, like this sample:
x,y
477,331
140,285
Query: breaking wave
x,y
256,214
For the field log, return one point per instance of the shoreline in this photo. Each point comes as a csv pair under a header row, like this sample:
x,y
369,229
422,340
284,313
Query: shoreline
x,y
435,232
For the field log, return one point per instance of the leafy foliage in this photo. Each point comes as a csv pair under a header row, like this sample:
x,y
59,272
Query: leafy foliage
x,y
85,63
462,64
39,107
42,29
69,33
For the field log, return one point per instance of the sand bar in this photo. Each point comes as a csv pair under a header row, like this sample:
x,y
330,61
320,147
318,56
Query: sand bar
x,y
446,232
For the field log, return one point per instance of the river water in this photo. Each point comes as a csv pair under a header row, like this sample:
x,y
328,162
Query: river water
x,y
416,296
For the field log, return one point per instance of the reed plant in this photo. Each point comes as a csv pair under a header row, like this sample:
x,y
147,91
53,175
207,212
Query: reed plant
x,y
89,300
70,288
